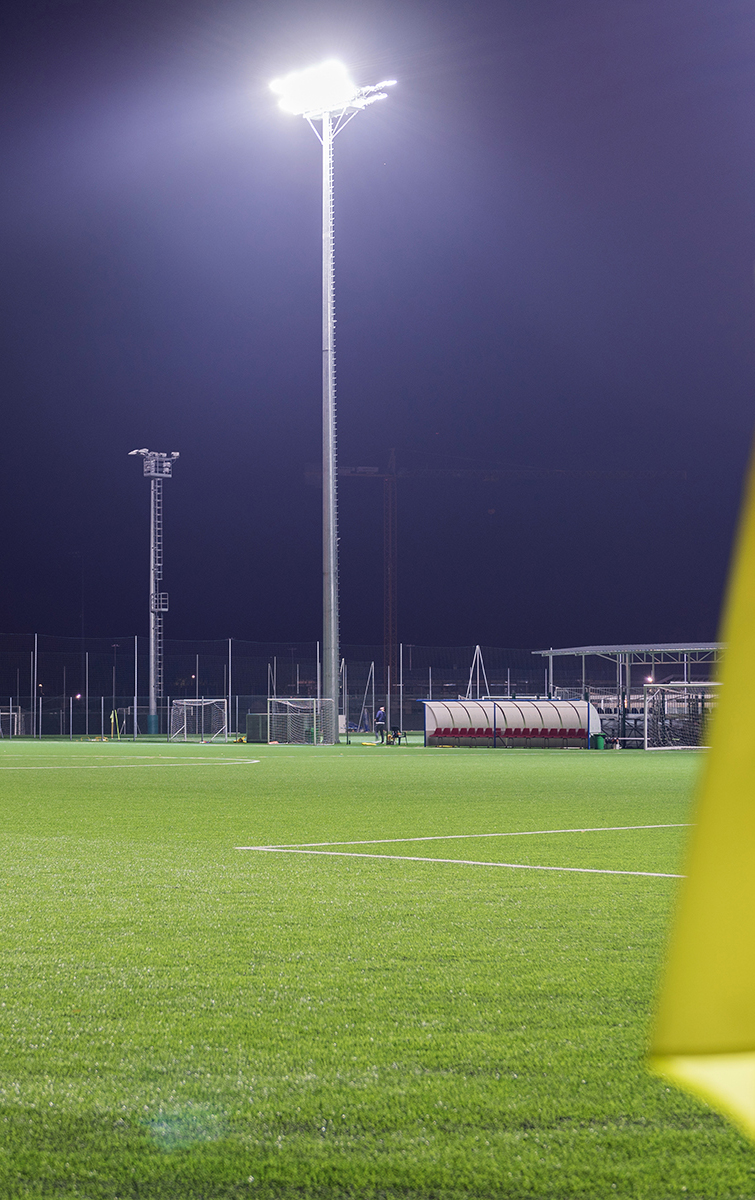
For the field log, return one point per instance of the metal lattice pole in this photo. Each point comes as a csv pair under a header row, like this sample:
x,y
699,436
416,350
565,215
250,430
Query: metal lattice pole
x,y
330,637
155,613
327,95
157,466
390,619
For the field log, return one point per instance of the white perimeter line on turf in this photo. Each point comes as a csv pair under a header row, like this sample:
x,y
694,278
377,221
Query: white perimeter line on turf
x,y
460,862
457,837
125,766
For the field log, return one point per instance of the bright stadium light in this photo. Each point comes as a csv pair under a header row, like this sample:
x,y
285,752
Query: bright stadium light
x,y
326,88
327,94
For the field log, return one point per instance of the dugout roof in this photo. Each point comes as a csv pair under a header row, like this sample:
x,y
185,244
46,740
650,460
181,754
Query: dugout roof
x,y
503,713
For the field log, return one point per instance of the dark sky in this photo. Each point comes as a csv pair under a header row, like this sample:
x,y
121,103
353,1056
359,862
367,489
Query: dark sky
x,y
545,245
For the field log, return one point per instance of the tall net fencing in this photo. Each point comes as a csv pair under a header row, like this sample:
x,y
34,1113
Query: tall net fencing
x,y
676,715
69,687
301,721
199,720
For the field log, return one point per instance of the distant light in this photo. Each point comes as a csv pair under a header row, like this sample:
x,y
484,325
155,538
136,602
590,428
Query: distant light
x,y
648,679
77,696
328,87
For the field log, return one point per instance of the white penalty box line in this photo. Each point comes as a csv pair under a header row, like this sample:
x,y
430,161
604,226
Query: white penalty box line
x,y
315,849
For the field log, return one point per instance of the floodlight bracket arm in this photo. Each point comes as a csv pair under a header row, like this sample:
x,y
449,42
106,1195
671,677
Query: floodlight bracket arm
x,y
361,99
311,122
338,122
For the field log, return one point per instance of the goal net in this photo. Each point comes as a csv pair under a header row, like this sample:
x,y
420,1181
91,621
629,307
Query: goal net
x,y
204,720
11,721
300,721
676,714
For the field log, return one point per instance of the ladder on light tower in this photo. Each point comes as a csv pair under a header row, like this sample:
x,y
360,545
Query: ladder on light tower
x,y
157,466
158,601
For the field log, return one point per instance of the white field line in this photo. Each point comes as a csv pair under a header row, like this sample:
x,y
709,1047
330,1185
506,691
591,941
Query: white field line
x,y
461,862
457,837
126,766
121,754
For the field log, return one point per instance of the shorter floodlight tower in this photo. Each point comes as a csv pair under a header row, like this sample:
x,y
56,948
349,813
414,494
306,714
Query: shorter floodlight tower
x,y
157,466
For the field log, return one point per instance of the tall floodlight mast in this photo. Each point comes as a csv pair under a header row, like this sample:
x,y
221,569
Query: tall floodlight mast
x,y
157,466
327,94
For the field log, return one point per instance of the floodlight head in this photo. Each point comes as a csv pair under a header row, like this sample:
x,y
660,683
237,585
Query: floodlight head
x,y
325,88
157,464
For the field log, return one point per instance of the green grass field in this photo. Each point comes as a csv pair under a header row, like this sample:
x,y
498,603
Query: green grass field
x,y
180,1018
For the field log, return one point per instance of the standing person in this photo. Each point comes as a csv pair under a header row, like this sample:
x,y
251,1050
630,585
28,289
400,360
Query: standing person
x,y
380,724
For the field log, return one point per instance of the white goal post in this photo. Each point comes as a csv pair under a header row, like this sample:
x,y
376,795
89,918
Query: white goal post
x,y
300,721
202,720
677,714
11,721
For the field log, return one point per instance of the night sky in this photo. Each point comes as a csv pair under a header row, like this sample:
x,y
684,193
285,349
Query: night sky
x,y
544,257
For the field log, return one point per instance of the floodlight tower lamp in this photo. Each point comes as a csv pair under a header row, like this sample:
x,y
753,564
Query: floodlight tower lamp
x,y
157,466
326,93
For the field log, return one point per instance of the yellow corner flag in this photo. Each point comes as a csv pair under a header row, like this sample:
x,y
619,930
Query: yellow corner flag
x,y
704,1036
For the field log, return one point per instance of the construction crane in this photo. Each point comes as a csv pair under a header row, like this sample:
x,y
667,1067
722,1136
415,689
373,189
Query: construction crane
x,y
389,479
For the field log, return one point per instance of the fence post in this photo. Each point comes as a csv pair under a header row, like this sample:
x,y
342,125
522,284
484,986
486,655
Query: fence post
x,y
230,668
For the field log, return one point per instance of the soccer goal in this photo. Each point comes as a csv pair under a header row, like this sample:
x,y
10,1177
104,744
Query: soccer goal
x,y
11,721
676,714
300,721
202,720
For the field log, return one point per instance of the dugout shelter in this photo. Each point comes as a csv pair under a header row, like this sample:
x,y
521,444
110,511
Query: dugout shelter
x,y
507,724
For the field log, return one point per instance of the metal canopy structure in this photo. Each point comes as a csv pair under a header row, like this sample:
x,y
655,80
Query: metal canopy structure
x,y
693,659
651,654
666,652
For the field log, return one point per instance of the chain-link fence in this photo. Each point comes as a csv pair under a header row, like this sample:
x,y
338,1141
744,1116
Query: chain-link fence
x,y
97,687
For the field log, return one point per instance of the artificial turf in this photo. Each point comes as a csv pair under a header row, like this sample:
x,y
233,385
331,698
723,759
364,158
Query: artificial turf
x,y
184,1019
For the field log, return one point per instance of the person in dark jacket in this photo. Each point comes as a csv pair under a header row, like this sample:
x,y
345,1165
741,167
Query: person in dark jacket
x,y
380,724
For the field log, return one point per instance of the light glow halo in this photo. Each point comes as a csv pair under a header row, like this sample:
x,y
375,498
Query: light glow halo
x,y
327,87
